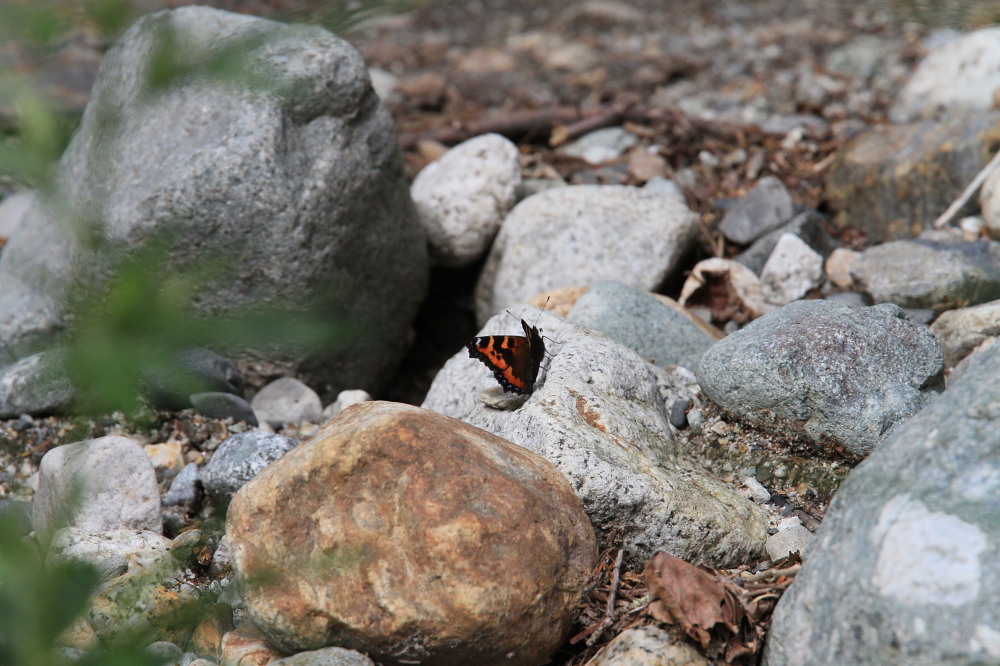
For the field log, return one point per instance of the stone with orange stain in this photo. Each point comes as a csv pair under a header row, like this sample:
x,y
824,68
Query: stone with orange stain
x,y
409,535
246,646
210,632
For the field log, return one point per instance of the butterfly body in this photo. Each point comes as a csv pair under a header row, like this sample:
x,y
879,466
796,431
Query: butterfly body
x,y
514,359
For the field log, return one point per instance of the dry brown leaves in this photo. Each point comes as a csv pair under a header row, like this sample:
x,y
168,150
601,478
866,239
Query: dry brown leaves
x,y
726,616
704,606
725,613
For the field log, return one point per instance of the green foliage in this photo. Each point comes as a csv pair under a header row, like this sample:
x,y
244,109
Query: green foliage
x,y
38,22
133,313
136,325
30,155
38,602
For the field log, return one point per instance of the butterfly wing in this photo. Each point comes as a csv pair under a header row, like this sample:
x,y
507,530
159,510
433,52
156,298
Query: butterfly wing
x,y
536,349
510,359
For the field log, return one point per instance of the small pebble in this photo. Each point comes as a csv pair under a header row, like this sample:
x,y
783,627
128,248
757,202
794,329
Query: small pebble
x,y
757,492
678,413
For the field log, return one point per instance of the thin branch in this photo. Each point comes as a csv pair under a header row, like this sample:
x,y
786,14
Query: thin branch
x,y
609,612
948,216
516,125
773,573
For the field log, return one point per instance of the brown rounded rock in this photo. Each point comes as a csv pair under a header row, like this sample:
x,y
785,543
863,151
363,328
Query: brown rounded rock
x,y
410,535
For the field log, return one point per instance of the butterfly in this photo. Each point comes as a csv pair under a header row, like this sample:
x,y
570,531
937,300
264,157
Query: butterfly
x,y
514,359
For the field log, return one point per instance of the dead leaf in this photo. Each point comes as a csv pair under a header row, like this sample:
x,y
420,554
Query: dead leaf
x,y
705,606
692,598
643,165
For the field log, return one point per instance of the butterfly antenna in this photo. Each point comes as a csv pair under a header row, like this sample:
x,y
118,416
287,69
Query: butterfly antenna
x,y
544,305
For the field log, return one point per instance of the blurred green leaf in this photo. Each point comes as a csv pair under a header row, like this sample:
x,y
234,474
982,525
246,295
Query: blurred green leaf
x,y
38,22
138,325
110,17
31,154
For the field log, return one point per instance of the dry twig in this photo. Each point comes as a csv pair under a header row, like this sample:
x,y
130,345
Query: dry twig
x,y
948,216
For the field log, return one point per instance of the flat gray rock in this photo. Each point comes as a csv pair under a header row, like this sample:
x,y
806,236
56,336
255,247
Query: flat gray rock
x,y
930,274
224,405
330,656
97,485
601,145
195,370
138,550
291,173
598,412
961,331
767,207
832,370
906,565
582,235
892,181
656,332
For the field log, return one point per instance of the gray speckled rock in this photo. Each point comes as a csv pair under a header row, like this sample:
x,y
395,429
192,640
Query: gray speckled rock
x,y
331,656
13,210
930,274
137,549
240,458
836,371
463,196
961,331
792,270
184,488
35,274
97,485
906,565
767,207
224,405
287,400
807,225
601,145
36,384
648,645
654,331
291,172
892,181
582,235
790,540
598,412
957,76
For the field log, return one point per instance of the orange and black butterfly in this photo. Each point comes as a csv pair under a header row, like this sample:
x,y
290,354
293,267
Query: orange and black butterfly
x,y
514,359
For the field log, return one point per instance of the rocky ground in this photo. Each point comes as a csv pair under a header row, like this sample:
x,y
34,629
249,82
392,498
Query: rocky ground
x,y
717,96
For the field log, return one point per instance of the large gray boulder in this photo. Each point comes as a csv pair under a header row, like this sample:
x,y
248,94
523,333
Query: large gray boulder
x,y
582,235
906,566
831,371
287,173
599,412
